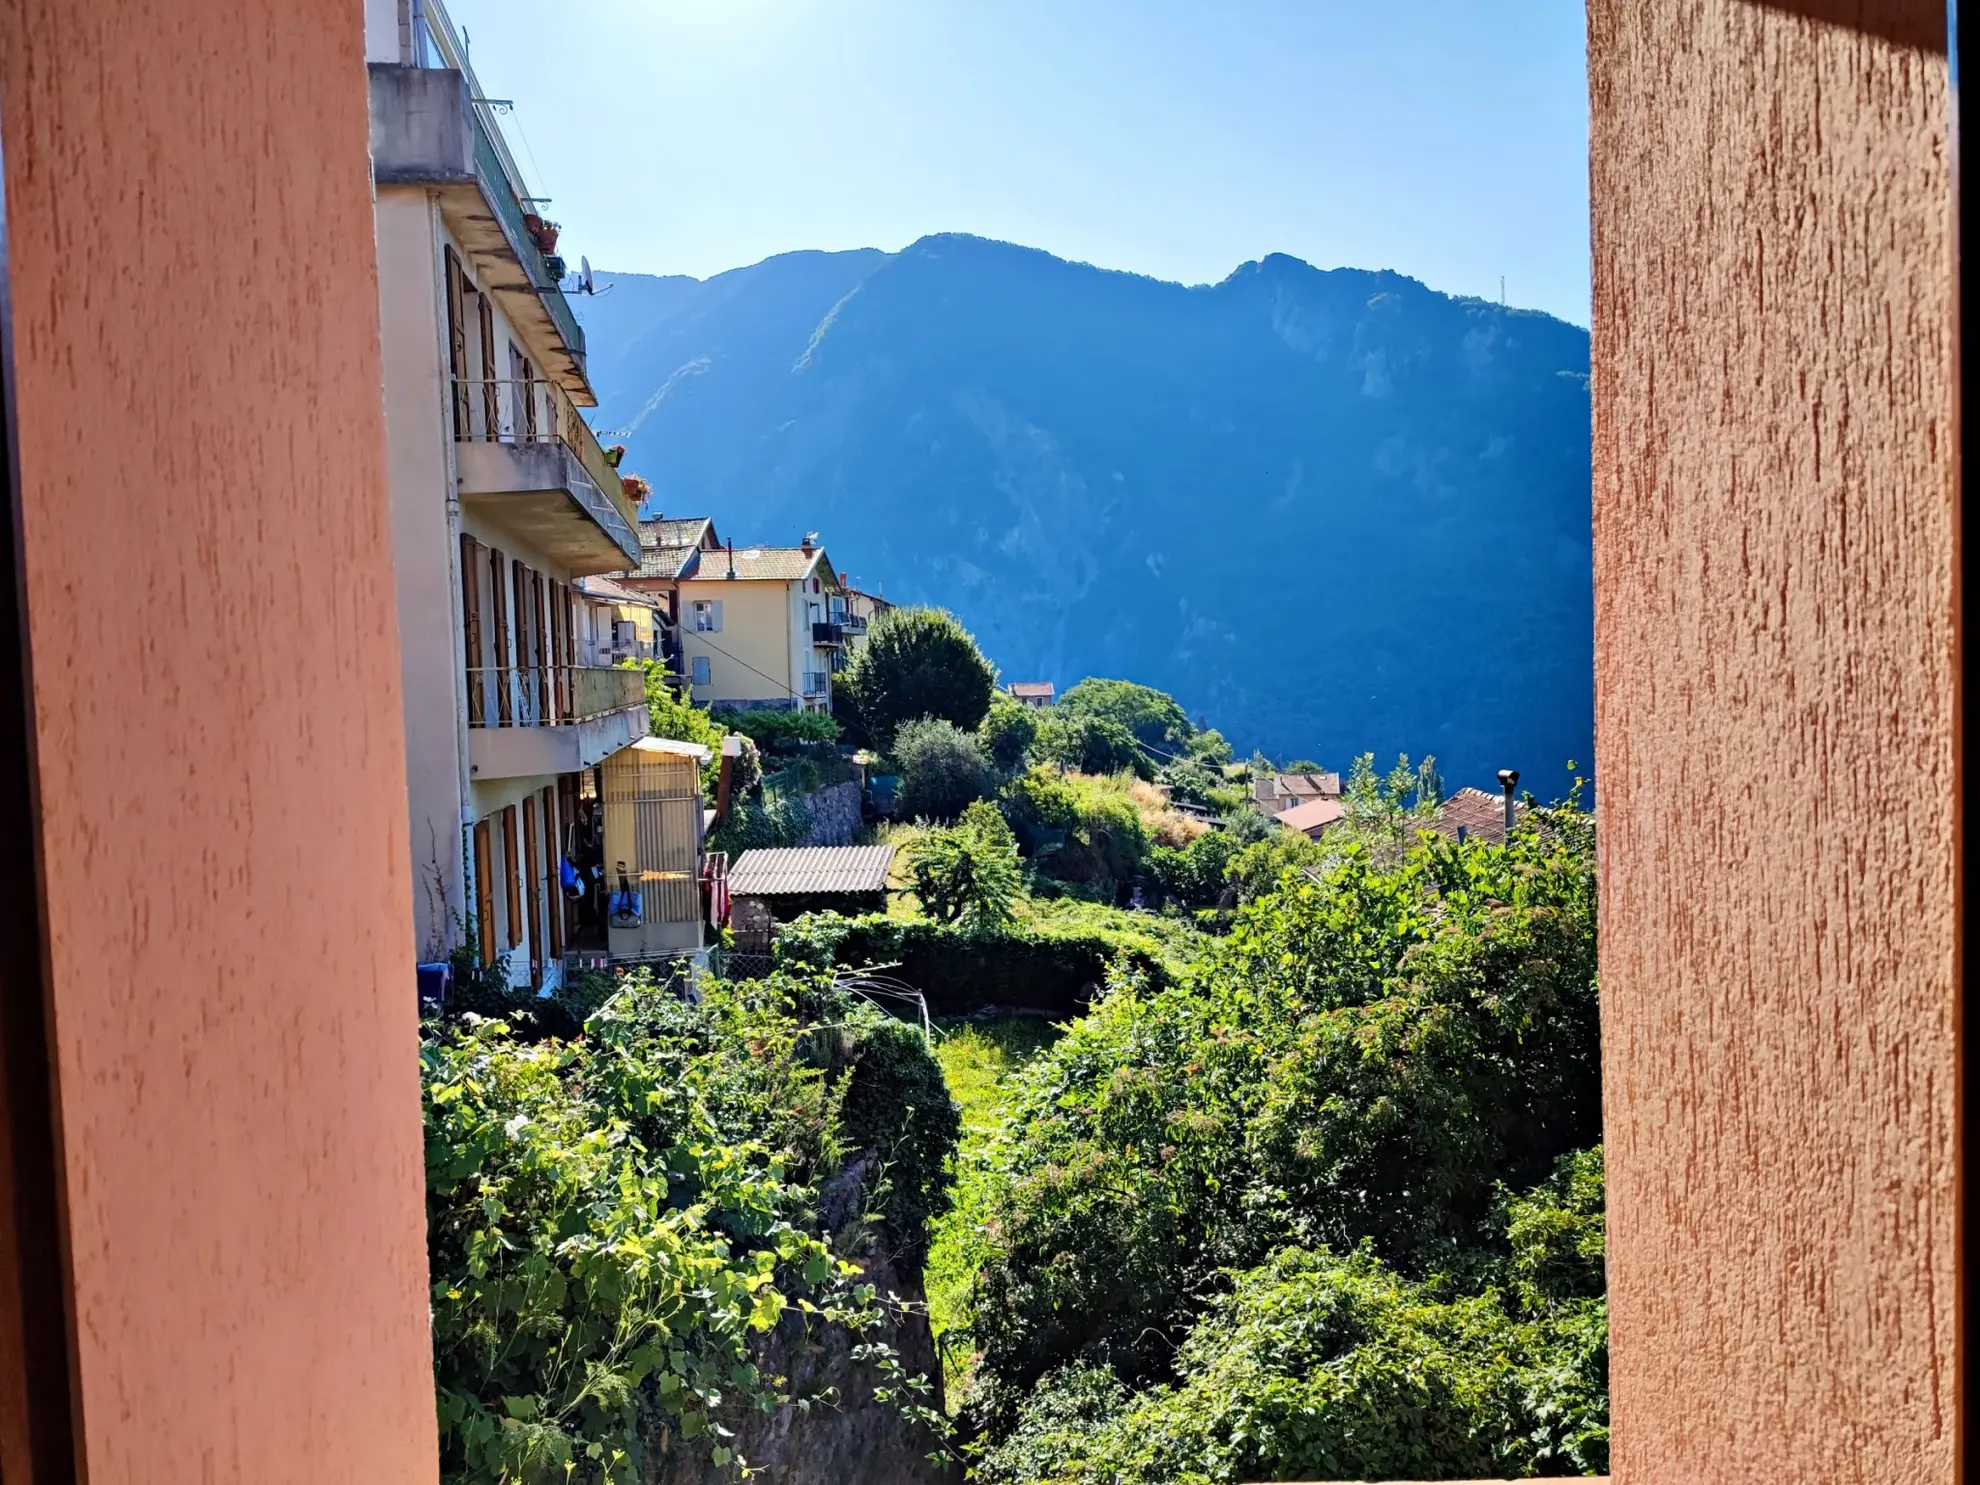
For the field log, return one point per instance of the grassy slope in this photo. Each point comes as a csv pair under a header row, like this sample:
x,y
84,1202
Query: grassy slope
x,y
978,1059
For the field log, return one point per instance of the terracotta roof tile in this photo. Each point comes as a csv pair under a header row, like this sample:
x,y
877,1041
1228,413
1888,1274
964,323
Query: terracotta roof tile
x,y
1313,816
763,564
1479,815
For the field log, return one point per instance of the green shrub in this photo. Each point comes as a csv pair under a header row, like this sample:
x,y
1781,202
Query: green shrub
x,y
916,662
1257,869
1076,828
773,821
609,1223
1007,733
1195,874
1321,1367
1048,968
897,1105
942,771
781,732
967,874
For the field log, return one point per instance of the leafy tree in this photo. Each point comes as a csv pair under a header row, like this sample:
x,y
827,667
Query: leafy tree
x,y
1429,787
1090,744
1196,873
1209,748
916,663
943,770
968,873
1156,718
1007,733
1303,765
1258,869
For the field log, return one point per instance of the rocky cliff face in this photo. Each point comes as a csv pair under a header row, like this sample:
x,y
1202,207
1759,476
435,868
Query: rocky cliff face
x,y
1333,511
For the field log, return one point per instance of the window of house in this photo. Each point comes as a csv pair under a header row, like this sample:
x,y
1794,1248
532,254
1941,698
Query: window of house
x,y
701,670
706,615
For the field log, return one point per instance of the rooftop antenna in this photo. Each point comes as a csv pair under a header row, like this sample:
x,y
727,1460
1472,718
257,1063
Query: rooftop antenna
x,y
1502,291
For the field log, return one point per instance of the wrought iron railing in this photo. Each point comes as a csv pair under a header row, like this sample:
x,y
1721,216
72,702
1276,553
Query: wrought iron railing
x,y
439,45
525,410
550,695
817,682
827,633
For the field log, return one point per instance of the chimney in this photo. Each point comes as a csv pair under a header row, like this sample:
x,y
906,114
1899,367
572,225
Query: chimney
x,y
809,543
1509,781
732,556
724,780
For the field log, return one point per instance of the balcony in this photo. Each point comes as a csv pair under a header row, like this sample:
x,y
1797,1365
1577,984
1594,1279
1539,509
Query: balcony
x,y
853,624
832,635
432,126
529,465
817,683
529,720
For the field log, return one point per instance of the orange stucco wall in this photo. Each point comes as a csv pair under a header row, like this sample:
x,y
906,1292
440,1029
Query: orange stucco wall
x,y
1775,454
208,564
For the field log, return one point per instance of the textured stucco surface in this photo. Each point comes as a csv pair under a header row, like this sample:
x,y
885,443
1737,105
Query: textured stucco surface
x,y
208,562
1774,543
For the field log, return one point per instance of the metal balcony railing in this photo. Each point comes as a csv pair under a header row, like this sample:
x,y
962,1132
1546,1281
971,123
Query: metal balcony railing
x,y
827,633
853,623
550,695
535,410
439,45
817,683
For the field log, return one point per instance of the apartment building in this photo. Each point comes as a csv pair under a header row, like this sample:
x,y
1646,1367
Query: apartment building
x,y
761,628
503,503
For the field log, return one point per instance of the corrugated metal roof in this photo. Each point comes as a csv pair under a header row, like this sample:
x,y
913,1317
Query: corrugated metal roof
x,y
809,870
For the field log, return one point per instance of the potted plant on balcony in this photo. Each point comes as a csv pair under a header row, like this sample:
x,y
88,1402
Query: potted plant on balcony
x,y
636,487
614,454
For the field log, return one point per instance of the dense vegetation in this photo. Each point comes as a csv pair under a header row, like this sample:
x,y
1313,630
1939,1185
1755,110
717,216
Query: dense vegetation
x,y
1304,1183
618,1220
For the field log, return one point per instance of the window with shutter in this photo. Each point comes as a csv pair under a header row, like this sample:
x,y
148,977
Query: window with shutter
x,y
491,406
553,876
532,892
716,610
484,893
701,670
477,677
498,569
512,871
457,341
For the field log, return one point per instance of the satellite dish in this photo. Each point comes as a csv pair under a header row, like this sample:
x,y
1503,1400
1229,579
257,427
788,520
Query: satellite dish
x,y
584,275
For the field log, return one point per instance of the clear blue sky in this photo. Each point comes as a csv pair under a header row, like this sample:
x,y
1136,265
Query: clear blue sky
x,y
1446,139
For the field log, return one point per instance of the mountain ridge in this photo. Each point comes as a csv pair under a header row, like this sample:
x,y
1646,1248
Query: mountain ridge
x,y
1333,509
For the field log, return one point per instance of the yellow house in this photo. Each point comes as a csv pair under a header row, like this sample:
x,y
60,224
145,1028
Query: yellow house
x,y
758,628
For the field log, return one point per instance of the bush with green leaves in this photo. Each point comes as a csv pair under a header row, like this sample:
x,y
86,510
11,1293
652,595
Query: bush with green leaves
x,y
916,663
781,732
967,874
1007,733
1257,869
1316,1366
1090,744
1363,1059
611,1221
1154,718
1195,874
1051,967
942,771
775,819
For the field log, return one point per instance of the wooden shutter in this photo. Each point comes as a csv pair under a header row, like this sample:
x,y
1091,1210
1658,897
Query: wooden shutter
x,y
532,892
555,875
565,657
529,400
541,646
484,892
457,341
477,678
518,575
498,567
491,404
512,869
